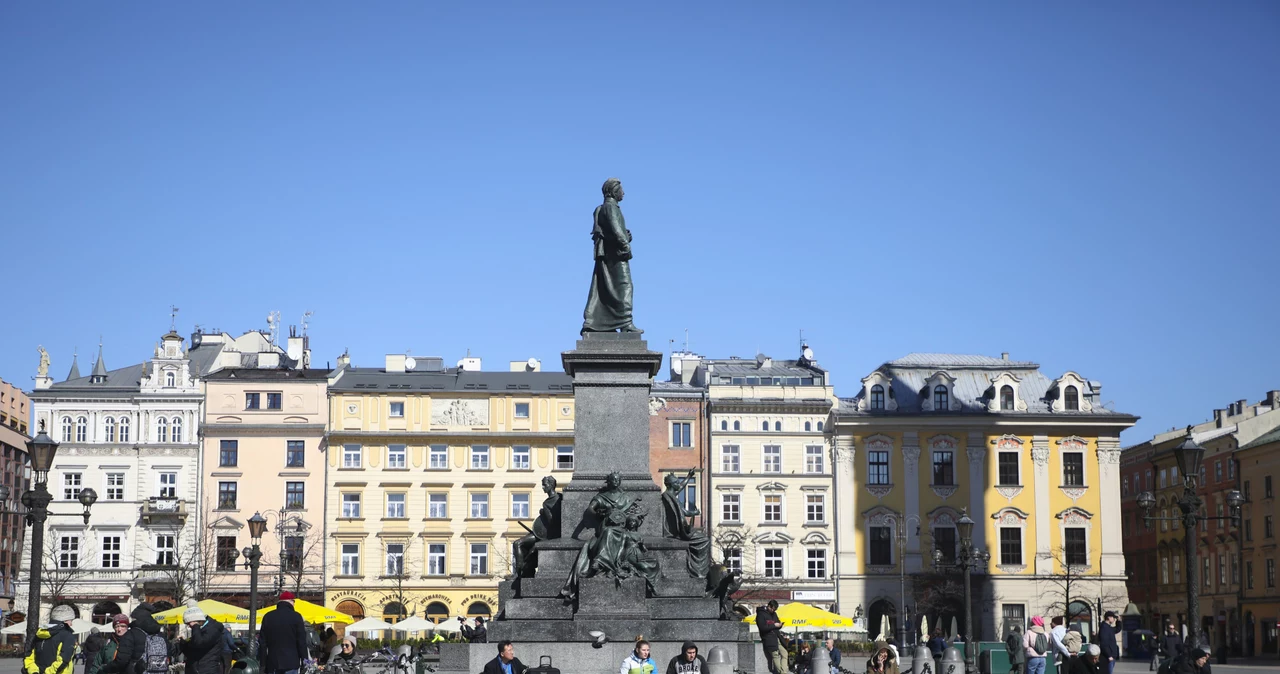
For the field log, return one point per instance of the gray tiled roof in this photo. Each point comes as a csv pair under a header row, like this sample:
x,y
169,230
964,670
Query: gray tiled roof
x,y
781,368
1265,438
368,378
128,378
676,388
74,372
945,360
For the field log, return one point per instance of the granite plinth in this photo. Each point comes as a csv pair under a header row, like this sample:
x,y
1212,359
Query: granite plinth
x,y
603,597
537,609
583,658
627,629
669,608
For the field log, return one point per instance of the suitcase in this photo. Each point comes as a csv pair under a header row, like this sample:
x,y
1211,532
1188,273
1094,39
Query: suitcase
x,y
544,666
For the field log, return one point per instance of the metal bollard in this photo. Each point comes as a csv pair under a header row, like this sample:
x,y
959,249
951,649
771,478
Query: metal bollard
x,y
952,661
718,661
820,660
922,660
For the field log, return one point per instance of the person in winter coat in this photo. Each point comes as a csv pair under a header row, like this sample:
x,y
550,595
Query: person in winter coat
x,y
882,660
1017,653
1036,644
770,627
479,634
282,643
688,661
1171,645
1085,662
131,643
205,647
506,662
638,661
937,644
1107,642
55,645
119,626
91,647
1194,662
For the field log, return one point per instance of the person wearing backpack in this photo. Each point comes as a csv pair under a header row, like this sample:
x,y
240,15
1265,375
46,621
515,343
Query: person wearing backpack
x,y
1036,644
204,649
1017,653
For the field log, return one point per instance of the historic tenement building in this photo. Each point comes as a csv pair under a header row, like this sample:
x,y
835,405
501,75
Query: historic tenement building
x,y
15,411
678,437
432,472
1259,469
1032,459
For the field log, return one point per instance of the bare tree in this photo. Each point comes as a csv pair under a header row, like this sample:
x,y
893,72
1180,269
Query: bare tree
x,y
400,572
67,561
177,562
299,560
1073,586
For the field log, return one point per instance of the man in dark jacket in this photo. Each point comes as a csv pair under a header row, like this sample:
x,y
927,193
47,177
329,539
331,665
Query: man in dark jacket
x,y
203,650
770,627
688,661
479,633
506,662
1190,663
1085,662
1016,649
1107,642
55,645
282,644
1170,642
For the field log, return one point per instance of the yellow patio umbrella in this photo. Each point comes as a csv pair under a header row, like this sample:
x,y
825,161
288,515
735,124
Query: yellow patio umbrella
x,y
805,616
223,613
313,614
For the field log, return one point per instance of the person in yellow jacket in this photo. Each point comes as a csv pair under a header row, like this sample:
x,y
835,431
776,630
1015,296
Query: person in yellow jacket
x,y
55,646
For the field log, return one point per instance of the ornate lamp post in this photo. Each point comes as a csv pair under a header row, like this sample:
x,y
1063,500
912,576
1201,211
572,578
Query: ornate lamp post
x,y
900,533
1189,454
252,560
968,558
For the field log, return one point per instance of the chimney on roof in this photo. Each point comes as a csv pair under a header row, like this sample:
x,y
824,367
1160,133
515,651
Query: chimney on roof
x,y
1240,405
1004,355
296,347
531,365
395,363
1273,399
1217,417
344,360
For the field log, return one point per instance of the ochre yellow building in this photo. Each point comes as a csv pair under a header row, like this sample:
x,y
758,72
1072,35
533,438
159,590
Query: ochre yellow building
x,y
1032,460
431,472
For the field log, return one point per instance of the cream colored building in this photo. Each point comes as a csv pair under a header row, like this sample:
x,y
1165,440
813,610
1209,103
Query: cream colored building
x,y
431,472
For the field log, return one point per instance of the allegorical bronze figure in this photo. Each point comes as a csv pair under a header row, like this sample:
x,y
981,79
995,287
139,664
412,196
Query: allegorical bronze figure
x,y
607,552
676,524
547,526
609,300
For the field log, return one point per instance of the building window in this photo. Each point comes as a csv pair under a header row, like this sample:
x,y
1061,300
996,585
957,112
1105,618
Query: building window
x,y
350,505
1124,486
1071,399
1248,530
395,559
252,401
944,473
731,507
397,456
688,497
520,506
82,429
1248,575
944,539
522,410
520,457
940,398
879,549
737,426
1010,473
395,505
66,429
170,379
564,457
1011,546
69,552
1217,470
479,506
773,507
228,453
438,506
1207,574
227,492
397,410
352,456
1006,398
166,549
729,459
681,434
1164,569
877,467
773,562
815,508
435,559
1073,469
1163,478
177,429
1222,570
877,397
733,559
162,430
813,459
1231,469
1076,546
816,563
350,559
294,456
71,486
294,495
1268,527
772,455
168,482
777,425
479,457
226,553
111,552
273,401
292,553
764,426
115,486
124,429
479,559
819,426
808,426
109,428
1148,480
1266,487
438,457
1271,573
724,425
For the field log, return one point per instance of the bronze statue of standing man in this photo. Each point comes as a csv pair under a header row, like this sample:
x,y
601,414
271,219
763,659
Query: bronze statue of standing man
x,y
609,300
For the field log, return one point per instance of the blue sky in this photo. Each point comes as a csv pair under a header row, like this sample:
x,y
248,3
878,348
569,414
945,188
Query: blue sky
x,y
1088,185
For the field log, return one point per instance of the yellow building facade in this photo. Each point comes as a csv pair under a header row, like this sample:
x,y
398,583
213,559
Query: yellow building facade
x,y
431,474
1032,460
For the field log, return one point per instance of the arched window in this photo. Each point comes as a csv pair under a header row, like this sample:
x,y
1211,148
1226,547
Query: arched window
x,y
351,608
177,429
808,426
940,398
1071,398
162,430
124,429
109,432
737,426
1006,397
393,612
764,426
66,429
170,379
724,425
478,608
819,426
82,429
777,425
104,610
877,397
437,612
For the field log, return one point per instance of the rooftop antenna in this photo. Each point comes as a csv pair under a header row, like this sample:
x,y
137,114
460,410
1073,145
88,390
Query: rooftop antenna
x,y
802,344
173,318
306,319
273,326
686,340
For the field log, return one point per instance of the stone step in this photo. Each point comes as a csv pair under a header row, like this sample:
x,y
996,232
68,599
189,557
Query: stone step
x,y
666,608
537,609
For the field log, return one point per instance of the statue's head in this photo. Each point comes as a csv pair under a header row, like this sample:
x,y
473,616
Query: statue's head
x,y
549,484
612,188
670,480
614,480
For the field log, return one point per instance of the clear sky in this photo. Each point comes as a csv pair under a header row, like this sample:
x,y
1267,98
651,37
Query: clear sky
x,y
1092,186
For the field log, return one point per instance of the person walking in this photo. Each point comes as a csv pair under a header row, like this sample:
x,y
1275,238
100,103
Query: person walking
x,y
1017,653
770,628
282,643
204,649
54,649
937,644
834,654
1057,646
687,661
1036,645
1107,643
1171,645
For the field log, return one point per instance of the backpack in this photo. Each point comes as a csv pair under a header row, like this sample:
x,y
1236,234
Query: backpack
x,y
1042,643
156,659
1012,643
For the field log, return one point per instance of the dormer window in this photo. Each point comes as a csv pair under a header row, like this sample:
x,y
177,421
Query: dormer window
x,y
938,394
877,397
1071,393
1071,398
170,379
940,398
1006,398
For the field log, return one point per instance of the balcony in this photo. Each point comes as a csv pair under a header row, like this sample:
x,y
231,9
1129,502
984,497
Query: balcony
x,y
164,510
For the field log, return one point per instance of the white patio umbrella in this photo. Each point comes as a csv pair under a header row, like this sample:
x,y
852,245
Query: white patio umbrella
x,y
924,628
413,624
451,626
884,628
370,625
16,628
82,626
955,627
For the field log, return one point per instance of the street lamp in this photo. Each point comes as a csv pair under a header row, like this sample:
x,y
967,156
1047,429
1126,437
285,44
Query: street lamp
x,y
900,533
968,558
252,560
1189,454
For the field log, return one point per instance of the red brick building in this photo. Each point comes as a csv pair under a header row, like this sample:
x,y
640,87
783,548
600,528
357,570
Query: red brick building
x,y
678,437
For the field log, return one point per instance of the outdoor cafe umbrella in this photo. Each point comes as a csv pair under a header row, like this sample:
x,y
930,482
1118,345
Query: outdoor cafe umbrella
x,y
312,614
370,625
413,624
223,613
924,628
884,628
452,626
79,626
807,617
